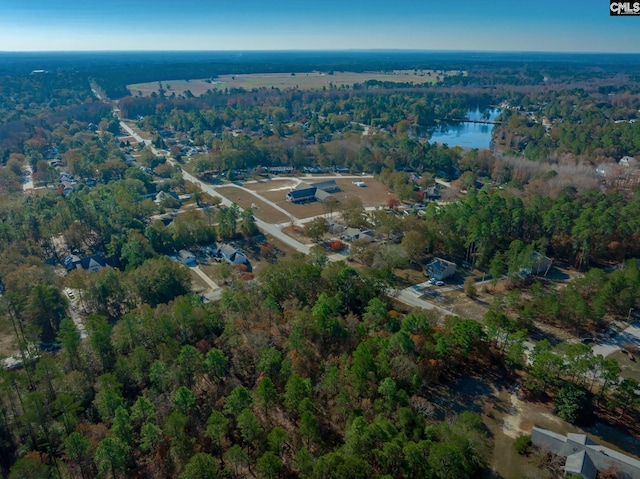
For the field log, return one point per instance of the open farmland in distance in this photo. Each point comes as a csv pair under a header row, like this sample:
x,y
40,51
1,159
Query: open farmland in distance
x,y
285,81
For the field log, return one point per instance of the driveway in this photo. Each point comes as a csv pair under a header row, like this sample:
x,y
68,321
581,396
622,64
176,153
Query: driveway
x,y
630,335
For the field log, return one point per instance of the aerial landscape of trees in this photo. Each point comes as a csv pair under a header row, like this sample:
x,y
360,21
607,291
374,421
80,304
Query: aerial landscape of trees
x,y
308,366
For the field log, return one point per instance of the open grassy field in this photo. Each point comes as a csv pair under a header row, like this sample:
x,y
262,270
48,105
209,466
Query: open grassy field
x,y
285,81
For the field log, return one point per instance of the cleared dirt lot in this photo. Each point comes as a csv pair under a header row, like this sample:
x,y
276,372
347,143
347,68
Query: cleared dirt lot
x,y
262,210
374,194
265,186
300,81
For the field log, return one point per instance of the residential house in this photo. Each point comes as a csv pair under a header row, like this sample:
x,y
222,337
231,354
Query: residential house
x,y
231,255
302,195
166,195
51,153
330,186
432,192
585,456
68,187
90,264
312,170
336,228
324,196
354,234
628,162
65,177
280,170
320,191
440,269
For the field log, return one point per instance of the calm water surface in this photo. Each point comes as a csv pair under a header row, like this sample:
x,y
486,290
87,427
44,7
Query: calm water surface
x,y
467,135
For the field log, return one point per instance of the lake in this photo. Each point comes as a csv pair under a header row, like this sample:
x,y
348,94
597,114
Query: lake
x,y
467,135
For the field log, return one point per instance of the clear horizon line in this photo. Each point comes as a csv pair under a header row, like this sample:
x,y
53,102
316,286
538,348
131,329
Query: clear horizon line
x,y
330,50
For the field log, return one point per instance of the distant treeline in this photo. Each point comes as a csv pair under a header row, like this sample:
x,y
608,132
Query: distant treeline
x,y
114,70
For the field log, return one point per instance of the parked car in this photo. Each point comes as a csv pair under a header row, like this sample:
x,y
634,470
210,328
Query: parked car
x,y
439,283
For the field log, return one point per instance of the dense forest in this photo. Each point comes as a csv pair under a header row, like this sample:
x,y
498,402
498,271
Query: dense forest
x,y
308,367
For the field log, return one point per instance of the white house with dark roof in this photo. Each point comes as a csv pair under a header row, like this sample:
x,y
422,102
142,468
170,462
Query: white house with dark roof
x,y
585,456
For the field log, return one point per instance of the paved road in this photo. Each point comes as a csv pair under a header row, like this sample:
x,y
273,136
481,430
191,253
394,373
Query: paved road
x,y
28,183
628,336
137,137
267,228
406,296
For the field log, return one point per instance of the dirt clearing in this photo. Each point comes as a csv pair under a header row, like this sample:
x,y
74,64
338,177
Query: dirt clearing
x,y
286,81
261,209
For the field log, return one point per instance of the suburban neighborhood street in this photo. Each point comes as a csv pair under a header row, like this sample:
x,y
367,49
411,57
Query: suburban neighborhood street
x,y
405,296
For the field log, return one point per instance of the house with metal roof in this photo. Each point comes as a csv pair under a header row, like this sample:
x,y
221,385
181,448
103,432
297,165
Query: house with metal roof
x,y
320,191
330,186
585,456
301,195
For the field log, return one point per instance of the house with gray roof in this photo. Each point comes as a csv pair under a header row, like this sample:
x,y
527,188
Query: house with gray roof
x,y
330,186
354,234
585,456
440,269
90,264
320,191
231,255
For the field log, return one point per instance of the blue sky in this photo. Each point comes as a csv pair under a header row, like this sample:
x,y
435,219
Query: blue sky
x,y
536,25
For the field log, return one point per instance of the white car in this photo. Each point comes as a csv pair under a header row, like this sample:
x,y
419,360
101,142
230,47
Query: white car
x,y
439,283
